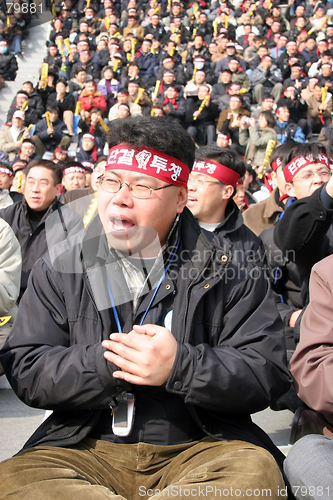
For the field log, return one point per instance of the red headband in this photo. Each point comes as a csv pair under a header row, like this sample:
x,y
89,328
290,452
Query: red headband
x,y
303,161
218,171
5,170
150,162
72,170
276,164
63,151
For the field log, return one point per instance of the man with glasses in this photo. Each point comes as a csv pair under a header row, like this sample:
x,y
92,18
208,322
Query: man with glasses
x,y
305,232
164,407
211,186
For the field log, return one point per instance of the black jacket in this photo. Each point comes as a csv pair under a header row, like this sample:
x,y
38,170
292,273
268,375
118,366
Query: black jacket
x,y
34,243
49,142
230,359
68,104
35,105
8,66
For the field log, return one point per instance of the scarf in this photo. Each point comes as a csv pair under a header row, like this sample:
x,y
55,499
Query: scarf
x,y
173,102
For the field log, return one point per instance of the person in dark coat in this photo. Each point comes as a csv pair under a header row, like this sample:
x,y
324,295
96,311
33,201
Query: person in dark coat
x,y
201,116
48,137
22,104
228,332
8,62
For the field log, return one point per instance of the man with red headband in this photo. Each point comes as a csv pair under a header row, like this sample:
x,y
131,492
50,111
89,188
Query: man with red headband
x,y
308,179
91,97
142,342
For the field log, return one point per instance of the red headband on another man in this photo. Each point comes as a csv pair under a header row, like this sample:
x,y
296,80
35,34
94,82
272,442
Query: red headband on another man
x,y
216,170
150,162
73,170
300,162
4,170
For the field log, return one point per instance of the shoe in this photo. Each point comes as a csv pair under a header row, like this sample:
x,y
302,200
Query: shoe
x,y
19,54
307,421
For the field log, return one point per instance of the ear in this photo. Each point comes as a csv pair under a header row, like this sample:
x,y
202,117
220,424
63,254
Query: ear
x,y
58,188
181,199
273,176
289,190
227,192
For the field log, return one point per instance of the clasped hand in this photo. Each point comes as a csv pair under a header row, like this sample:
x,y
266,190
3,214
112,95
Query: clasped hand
x,y
145,355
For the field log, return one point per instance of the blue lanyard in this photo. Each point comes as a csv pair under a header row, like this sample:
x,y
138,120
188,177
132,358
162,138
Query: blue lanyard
x,y
153,297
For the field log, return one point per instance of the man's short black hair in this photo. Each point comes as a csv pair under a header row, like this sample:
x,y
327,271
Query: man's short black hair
x,y
283,151
28,83
53,109
226,157
50,165
312,148
156,133
79,69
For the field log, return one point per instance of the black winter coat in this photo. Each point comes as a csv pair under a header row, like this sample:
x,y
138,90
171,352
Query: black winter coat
x,y
8,66
230,358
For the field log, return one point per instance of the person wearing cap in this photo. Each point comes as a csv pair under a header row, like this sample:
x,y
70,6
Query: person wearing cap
x,y
73,176
266,78
8,63
123,98
11,135
69,20
171,369
91,98
201,116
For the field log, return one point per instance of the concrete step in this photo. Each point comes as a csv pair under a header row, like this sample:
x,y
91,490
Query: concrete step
x,y
29,65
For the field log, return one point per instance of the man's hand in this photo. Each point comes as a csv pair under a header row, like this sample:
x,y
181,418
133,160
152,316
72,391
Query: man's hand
x,y
50,130
145,355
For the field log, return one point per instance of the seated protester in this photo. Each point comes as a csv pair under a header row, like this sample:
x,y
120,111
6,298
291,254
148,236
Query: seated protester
x,y
200,119
174,106
215,55
170,49
73,177
311,367
273,34
319,113
28,216
226,24
325,135
69,21
139,96
292,99
229,121
158,95
169,64
65,103
323,57
310,51
54,58
58,29
280,47
157,111
60,154
123,111
43,91
198,49
85,61
192,86
297,77
90,122
108,86
155,27
326,76
224,63
8,63
91,97
266,105
222,86
285,128
238,74
12,34
92,20
243,40
199,63
211,186
204,28
117,63
266,78
234,89
7,197
264,214
11,135
134,28
177,11
27,152
318,20
21,103
291,53
308,178
47,137
90,149
146,62
76,84
255,139
299,28
251,53
123,98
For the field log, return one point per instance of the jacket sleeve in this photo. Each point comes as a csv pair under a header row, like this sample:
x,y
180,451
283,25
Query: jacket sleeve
x,y
257,77
10,268
45,369
257,138
249,358
312,363
243,137
299,136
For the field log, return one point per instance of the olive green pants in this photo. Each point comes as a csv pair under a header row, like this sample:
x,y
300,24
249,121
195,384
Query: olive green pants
x,y
96,470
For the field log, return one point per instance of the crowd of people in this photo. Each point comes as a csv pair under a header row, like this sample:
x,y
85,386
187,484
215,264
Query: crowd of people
x,y
228,104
